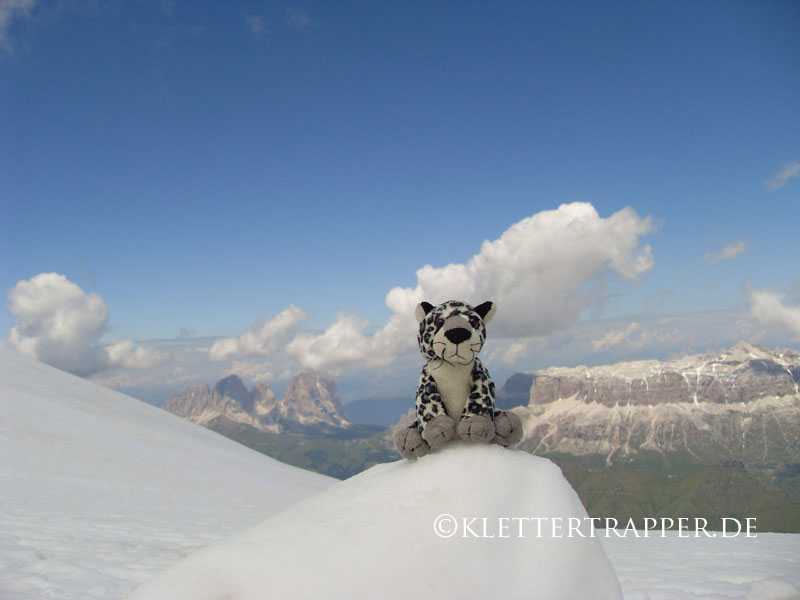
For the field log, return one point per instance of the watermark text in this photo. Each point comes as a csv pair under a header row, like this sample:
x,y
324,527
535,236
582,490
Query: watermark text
x,y
448,526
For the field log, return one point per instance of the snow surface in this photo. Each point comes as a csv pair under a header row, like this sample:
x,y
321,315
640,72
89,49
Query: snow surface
x,y
373,536
766,567
99,491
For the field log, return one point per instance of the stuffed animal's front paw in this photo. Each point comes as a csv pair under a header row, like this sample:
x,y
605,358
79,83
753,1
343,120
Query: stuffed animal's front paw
x,y
409,443
439,430
508,429
476,428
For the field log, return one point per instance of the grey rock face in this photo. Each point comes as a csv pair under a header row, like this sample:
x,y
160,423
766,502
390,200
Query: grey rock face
x,y
516,391
740,405
311,400
744,373
265,404
233,387
190,401
229,398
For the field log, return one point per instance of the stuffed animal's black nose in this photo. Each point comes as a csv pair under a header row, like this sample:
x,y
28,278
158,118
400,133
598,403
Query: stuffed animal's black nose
x,y
457,335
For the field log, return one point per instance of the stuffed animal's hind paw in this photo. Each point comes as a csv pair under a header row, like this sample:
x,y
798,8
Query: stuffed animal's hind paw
x,y
476,428
409,443
508,429
439,430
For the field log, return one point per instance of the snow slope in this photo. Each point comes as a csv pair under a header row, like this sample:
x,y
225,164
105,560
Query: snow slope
x,y
99,491
373,536
766,567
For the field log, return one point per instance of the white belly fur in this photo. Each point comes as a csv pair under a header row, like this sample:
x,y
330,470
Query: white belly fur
x,y
454,384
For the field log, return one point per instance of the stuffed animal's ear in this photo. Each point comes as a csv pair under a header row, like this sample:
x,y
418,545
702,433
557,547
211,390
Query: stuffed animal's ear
x,y
423,308
486,311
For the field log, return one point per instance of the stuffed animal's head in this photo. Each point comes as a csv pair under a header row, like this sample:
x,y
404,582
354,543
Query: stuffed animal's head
x,y
453,332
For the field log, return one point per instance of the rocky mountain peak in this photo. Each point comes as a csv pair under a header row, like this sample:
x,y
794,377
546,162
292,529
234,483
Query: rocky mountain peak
x,y
262,392
192,400
312,397
310,401
265,404
743,352
232,386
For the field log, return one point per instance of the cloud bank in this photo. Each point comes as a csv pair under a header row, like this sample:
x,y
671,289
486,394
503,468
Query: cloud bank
x,y
770,312
58,323
541,272
263,339
345,344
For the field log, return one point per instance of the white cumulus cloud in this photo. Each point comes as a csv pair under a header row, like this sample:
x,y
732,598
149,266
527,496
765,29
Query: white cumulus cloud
x,y
263,339
789,171
130,355
730,251
344,344
536,272
58,323
768,309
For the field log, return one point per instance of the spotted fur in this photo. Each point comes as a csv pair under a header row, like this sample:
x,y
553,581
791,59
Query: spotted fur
x,y
480,401
480,398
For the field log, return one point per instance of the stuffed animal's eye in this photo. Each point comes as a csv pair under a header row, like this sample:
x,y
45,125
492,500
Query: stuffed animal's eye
x,y
475,322
438,324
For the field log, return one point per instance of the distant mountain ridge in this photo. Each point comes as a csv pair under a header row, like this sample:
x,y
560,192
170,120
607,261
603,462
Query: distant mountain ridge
x,y
310,405
738,406
744,373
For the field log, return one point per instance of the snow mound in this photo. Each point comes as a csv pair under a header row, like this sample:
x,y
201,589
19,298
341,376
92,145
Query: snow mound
x,y
373,536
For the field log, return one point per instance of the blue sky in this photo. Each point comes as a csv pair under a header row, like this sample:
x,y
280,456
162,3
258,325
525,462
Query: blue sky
x,y
202,167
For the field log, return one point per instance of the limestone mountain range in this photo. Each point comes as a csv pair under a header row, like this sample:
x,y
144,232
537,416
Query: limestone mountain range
x,y
736,406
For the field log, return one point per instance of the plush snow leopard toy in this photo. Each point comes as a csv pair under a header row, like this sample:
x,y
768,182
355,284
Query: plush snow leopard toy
x,y
455,393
